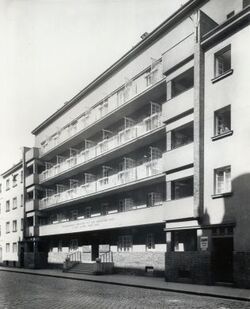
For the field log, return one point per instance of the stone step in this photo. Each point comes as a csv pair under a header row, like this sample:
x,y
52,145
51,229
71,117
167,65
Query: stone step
x,y
83,268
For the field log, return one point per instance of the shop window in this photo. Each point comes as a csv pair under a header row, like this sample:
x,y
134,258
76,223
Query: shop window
x,y
180,84
150,242
222,120
222,61
182,136
184,240
125,243
73,244
182,188
222,180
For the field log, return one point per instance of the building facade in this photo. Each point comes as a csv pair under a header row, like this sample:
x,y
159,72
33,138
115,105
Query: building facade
x,y
149,161
11,215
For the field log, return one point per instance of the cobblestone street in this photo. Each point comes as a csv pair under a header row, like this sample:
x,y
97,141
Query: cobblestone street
x,y
28,291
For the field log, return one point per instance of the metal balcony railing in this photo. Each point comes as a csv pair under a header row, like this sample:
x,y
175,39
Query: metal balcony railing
x,y
145,170
148,124
130,89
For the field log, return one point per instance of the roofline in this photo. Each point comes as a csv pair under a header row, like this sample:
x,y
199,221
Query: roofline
x,y
172,19
12,169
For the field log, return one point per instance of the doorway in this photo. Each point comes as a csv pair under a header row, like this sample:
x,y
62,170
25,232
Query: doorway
x,y
222,259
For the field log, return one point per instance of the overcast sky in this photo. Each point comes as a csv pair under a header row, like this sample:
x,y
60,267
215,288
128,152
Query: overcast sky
x,y
51,49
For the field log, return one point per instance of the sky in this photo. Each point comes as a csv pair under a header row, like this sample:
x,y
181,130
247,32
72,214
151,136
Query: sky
x,y
51,49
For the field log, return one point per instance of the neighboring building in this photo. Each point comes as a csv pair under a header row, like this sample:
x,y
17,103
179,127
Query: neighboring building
x,y
11,215
155,171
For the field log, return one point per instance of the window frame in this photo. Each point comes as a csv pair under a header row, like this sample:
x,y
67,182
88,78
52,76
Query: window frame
x,y
229,131
227,188
220,75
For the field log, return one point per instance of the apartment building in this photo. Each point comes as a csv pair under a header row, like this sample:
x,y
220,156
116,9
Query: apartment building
x,y
11,215
147,167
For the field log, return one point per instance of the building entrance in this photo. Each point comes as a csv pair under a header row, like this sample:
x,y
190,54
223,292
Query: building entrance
x,y
222,259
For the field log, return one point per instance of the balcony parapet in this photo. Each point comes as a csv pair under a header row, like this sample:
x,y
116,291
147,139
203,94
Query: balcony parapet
x,y
179,209
31,205
148,124
178,157
131,89
140,172
31,180
136,216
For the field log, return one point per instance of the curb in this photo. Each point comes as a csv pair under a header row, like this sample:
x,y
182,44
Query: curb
x,y
214,295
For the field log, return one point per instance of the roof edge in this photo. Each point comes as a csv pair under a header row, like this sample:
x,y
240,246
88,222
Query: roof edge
x,y
12,169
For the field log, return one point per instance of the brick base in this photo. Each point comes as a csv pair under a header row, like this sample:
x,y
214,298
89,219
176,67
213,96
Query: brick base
x,y
188,267
242,269
140,263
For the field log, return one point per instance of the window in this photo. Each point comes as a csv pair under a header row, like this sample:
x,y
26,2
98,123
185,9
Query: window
x,y
73,244
223,180
14,180
14,203
154,199
182,136
14,225
21,178
7,227
150,242
181,188
125,243
7,206
21,200
0,188
7,247
222,120
14,247
231,14
184,240
223,61
22,224
7,184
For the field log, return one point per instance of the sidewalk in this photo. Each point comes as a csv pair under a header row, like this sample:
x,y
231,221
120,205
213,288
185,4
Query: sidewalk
x,y
143,282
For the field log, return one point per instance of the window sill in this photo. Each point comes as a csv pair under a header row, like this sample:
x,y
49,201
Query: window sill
x,y
224,75
220,195
219,136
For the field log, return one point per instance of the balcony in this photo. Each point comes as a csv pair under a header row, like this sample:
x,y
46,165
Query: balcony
x,y
117,181
31,154
178,105
179,209
121,139
133,90
31,180
133,217
31,205
179,157
178,54
30,231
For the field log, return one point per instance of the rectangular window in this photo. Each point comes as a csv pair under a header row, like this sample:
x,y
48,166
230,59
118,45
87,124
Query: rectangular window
x,y
7,247
14,247
21,200
125,243
14,225
7,184
231,14
14,203
222,180
7,227
182,136
14,180
222,120
150,242
222,61
181,188
7,206
0,188
21,178
22,224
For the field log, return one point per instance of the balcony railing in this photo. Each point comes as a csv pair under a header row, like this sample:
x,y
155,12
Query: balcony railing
x,y
145,170
130,89
148,124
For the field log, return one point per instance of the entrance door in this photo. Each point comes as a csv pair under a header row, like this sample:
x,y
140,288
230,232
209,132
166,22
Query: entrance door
x,y
222,259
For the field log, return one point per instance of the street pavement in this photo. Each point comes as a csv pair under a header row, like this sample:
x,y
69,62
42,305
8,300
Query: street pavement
x,y
24,291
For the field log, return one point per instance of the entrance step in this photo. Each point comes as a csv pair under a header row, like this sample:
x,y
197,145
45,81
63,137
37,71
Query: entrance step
x,y
83,268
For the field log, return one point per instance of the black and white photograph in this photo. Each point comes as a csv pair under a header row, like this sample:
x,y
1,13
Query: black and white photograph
x,y
125,150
